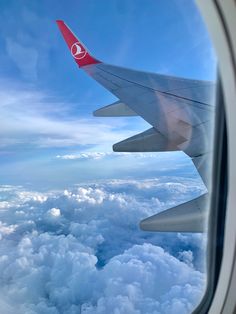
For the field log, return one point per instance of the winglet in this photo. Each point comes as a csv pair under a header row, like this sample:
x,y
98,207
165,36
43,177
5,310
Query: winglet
x,y
78,51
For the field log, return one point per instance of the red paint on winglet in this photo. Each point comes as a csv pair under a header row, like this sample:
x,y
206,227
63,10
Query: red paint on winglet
x,y
78,51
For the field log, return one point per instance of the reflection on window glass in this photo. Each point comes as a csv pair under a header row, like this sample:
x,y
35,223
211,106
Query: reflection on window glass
x,y
70,236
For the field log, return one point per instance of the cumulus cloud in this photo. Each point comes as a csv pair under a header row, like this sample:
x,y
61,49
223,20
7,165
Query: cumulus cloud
x,y
54,212
81,251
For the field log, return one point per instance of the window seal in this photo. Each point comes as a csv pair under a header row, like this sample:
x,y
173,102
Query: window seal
x,y
218,200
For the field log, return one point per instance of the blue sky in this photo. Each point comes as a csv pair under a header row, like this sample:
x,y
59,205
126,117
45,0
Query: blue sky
x,y
47,102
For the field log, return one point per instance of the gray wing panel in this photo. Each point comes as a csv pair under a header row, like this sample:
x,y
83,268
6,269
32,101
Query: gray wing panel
x,y
179,109
154,96
201,91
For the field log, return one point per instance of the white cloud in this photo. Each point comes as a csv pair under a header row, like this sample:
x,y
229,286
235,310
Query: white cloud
x,y
140,279
6,229
29,117
92,155
81,250
101,155
186,257
54,212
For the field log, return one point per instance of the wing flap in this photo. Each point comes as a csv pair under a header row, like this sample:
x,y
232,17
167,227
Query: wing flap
x,y
117,109
187,217
148,141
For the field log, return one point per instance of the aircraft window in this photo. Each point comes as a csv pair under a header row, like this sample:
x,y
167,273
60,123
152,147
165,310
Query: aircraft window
x,y
85,228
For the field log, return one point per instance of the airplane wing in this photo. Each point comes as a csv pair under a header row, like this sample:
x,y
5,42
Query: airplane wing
x,y
180,114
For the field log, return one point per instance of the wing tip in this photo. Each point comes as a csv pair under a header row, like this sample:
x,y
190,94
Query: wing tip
x,y
78,51
60,24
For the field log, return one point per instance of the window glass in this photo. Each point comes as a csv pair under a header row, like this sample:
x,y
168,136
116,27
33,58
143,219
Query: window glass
x,y
70,207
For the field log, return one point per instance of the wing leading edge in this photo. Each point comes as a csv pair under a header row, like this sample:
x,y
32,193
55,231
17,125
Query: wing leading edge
x,y
180,112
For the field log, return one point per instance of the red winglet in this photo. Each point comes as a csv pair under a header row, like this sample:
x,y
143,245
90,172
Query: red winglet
x,y
80,54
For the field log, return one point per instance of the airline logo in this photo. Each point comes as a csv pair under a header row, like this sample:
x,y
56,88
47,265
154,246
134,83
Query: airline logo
x,y
78,51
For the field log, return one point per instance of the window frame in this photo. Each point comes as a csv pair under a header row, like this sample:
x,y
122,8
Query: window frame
x,y
220,17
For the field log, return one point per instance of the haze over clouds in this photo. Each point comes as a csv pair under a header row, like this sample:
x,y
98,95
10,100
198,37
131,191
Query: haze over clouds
x,y
80,250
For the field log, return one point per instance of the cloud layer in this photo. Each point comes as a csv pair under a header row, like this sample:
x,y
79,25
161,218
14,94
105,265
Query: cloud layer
x,y
80,250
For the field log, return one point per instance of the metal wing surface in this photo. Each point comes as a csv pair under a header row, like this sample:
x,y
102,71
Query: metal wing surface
x,y
179,111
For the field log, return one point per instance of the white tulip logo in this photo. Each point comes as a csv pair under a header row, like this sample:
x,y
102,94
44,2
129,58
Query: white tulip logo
x,y
78,51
